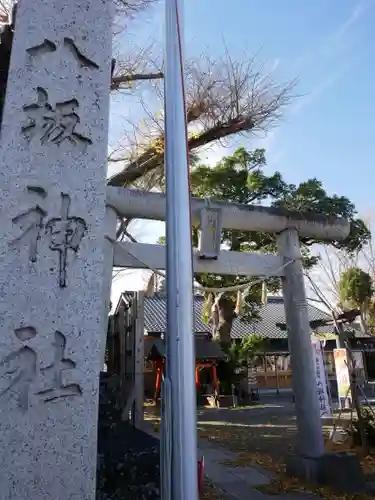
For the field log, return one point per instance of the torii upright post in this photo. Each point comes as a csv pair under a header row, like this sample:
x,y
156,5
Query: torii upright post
x,y
53,273
310,436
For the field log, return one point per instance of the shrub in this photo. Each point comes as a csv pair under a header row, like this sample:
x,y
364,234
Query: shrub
x,y
354,429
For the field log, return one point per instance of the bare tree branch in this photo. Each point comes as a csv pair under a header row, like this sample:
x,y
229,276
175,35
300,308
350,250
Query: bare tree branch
x,y
332,262
130,236
121,229
118,81
132,7
137,65
224,98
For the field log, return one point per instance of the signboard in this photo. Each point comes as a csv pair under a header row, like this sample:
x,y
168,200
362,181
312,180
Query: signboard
x,y
365,344
252,377
342,373
321,379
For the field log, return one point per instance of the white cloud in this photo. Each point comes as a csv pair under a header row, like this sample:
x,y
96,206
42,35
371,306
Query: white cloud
x,y
316,92
356,15
335,44
275,64
332,46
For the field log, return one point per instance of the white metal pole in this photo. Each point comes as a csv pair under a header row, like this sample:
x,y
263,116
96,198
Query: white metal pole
x,y
180,319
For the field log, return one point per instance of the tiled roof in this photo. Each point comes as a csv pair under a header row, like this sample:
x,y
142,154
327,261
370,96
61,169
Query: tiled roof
x,y
271,313
156,314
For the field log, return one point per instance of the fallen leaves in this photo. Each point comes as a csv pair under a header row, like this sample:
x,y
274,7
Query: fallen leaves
x,y
265,444
248,459
211,492
292,485
254,406
264,441
368,464
283,483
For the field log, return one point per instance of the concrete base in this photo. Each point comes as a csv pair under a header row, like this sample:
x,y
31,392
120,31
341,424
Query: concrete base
x,y
341,471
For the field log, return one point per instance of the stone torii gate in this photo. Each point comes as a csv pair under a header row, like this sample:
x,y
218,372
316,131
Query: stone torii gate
x,y
57,251
212,216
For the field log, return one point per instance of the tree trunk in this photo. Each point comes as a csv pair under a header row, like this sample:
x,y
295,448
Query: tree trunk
x,y
224,312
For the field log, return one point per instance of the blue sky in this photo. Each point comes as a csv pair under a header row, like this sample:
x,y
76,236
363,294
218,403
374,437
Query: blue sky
x,y
329,46
329,132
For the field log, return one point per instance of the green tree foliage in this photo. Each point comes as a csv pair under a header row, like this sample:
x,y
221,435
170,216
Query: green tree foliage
x,y
238,355
355,287
356,291
241,178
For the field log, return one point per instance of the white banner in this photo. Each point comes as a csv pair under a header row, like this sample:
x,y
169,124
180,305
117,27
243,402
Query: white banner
x,y
343,369
359,367
321,379
342,373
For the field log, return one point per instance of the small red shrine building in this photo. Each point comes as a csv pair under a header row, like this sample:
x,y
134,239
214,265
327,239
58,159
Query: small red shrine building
x,y
124,356
207,353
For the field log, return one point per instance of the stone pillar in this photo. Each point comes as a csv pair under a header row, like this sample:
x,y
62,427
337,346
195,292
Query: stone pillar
x,y
110,236
310,436
52,207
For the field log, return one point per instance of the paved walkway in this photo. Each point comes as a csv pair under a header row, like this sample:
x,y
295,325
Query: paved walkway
x,y
239,483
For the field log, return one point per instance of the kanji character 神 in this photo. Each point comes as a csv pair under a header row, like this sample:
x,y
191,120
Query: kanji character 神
x,y
65,233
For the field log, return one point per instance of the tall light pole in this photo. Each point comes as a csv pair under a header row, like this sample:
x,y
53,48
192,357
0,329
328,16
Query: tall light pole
x,y
180,305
